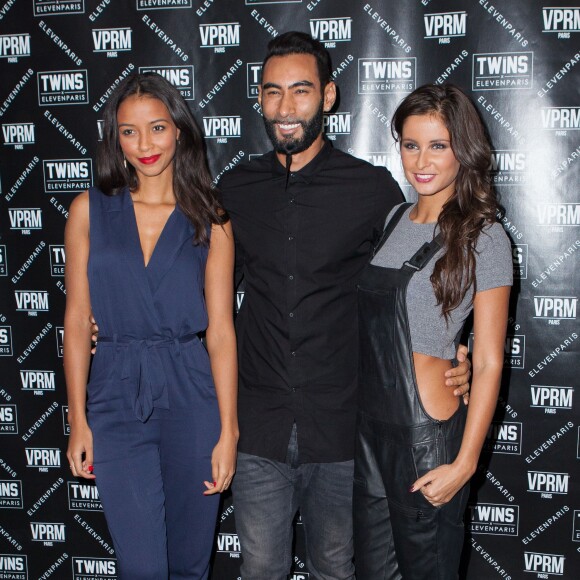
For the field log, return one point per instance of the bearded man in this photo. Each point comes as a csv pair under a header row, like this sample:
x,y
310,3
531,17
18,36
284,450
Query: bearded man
x,y
305,217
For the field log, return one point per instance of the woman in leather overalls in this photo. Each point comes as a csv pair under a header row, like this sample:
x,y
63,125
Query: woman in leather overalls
x,y
151,252
417,445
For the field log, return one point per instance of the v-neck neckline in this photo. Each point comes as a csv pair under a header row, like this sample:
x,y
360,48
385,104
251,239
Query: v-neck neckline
x,y
161,234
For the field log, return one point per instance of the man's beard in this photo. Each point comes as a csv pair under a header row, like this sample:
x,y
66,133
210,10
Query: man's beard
x,y
311,129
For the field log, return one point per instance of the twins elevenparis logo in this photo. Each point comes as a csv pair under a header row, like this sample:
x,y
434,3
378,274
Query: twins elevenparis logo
x,y
509,167
63,87
11,495
502,71
493,519
6,341
386,75
3,260
50,7
67,175
181,77
89,568
14,566
504,437
8,419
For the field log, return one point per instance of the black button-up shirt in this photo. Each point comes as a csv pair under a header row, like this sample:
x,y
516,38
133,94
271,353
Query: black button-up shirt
x,y
301,241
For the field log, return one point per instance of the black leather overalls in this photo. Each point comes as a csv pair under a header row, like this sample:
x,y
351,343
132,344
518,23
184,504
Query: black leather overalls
x,y
399,534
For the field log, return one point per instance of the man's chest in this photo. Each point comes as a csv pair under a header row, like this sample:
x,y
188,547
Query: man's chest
x,y
296,225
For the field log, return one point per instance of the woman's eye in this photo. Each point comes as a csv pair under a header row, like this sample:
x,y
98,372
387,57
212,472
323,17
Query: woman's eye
x,y
159,127
126,132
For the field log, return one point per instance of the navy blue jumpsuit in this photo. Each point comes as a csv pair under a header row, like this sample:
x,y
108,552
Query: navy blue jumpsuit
x,y
152,405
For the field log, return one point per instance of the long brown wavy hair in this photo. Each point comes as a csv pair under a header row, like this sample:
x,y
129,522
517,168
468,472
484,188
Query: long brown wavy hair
x,y
473,203
192,184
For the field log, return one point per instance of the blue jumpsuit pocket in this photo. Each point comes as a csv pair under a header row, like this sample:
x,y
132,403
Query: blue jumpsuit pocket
x,y
195,357
198,370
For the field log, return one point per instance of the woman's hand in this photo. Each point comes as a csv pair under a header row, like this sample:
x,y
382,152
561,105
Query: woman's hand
x,y
440,484
80,445
459,376
223,465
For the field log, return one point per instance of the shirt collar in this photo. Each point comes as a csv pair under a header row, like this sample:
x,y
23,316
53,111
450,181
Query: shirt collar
x,y
309,171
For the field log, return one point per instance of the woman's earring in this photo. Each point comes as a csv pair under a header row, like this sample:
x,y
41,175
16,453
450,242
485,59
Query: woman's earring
x,y
125,162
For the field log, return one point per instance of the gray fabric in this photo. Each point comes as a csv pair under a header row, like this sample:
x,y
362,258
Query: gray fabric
x,y
429,332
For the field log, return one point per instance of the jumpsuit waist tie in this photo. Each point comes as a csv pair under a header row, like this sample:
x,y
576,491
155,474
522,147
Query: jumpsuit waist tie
x,y
144,372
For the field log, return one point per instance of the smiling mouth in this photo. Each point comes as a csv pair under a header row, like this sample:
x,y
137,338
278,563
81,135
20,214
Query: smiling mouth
x,y
149,160
424,177
288,126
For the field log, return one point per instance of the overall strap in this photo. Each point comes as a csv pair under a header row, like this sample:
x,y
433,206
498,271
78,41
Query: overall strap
x,y
391,226
423,255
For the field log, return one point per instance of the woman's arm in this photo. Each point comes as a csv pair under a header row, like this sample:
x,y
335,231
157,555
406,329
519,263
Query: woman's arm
x,y
489,324
221,346
77,336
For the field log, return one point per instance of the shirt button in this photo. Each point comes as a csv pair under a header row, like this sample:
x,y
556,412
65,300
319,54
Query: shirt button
x,y
290,238
293,353
290,277
291,315
292,200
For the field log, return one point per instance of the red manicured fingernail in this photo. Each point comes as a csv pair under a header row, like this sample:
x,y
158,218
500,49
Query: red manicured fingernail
x,y
90,468
214,483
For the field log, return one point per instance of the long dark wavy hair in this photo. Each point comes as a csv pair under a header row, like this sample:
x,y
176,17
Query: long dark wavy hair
x,y
473,203
192,183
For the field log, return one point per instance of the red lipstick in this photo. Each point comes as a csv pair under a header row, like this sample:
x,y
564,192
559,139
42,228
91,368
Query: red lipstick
x,y
148,160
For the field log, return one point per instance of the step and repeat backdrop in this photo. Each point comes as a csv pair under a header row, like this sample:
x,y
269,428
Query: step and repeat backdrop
x,y
60,62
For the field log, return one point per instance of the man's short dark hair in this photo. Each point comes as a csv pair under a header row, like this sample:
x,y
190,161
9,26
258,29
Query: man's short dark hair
x,y
294,42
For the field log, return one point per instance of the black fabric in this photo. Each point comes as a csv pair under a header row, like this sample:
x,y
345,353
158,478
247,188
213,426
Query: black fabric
x,y
398,534
300,248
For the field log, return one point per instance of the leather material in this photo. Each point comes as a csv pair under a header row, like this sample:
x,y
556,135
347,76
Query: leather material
x,y
399,534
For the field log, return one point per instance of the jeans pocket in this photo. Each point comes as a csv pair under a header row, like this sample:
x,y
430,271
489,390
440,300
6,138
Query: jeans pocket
x,y
359,481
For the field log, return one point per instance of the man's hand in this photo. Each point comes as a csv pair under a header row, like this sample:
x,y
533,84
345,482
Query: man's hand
x,y
95,333
459,376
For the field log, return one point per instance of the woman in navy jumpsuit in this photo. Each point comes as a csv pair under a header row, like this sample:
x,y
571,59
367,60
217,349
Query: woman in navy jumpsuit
x,y
151,254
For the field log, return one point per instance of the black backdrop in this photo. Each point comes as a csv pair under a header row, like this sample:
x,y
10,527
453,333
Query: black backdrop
x,y
60,61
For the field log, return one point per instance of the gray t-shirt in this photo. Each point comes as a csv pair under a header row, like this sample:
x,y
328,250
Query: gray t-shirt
x,y
430,333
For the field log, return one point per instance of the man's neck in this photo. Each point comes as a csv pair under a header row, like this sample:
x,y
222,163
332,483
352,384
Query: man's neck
x,y
300,160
